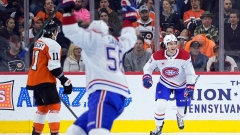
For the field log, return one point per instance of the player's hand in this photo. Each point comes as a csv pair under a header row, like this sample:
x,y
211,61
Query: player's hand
x,y
67,5
189,90
147,81
129,10
67,86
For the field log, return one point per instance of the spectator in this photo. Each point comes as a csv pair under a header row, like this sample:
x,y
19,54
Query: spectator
x,y
191,17
36,27
213,62
227,10
36,6
207,28
113,17
47,11
149,4
18,16
103,14
12,62
9,30
3,4
137,58
182,39
232,30
206,45
82,14
199,60
74,62
169,17
146,26
177,5
4,16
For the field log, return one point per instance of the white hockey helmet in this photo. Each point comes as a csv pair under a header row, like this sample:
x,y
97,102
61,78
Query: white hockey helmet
x,y
169,38
99,26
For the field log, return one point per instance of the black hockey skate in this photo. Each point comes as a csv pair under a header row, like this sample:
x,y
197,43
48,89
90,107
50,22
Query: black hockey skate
x,y
180,123
157,131
34,133
54,133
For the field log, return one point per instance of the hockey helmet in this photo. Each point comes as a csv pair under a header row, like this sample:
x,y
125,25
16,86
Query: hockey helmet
x,y
99,26
169,38
50,28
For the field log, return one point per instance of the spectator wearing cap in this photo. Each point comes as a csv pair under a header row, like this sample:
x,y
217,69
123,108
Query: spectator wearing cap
x,y
11,62
198,59
113,16
213,62
149,4
169,17
103,15
206,45
137,58
82,14
146,26
207,28
37,23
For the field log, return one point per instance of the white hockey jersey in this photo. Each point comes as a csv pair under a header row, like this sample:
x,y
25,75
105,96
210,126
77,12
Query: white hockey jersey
x,y
102,56
176,71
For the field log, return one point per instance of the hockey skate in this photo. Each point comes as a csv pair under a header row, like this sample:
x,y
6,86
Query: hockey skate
x,y
180,123
157,131
34,133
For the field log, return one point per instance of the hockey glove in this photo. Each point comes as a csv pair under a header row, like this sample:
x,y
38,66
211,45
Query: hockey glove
x,y
189,90
129,10
147,81
67,86
67,5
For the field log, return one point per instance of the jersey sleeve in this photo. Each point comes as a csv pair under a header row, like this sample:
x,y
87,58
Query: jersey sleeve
x,y
83,38
128,38
150,66
54,56
190,72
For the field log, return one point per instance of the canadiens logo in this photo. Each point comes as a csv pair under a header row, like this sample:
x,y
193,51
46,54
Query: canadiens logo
x,y
170,72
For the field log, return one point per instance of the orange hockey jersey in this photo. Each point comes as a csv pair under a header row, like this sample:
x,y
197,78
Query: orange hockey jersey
x,y
46,57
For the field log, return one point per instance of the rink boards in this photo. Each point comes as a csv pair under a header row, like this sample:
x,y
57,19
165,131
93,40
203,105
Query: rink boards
x,y
215,105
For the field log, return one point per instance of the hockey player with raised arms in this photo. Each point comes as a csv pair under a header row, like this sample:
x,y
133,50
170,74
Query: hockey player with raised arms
x,y
102,53
177,76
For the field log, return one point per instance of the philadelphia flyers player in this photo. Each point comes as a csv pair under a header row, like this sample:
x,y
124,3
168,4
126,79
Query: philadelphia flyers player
x,y
44,70
177,75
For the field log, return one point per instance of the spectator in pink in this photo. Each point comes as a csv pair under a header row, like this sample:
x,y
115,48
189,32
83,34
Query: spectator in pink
x,y
82,14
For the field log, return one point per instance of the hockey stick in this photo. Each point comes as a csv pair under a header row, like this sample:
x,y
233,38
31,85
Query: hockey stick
x,y
186,98
39,33
68,107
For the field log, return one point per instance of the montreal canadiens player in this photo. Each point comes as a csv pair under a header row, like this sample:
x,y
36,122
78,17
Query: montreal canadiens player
x,y
177,76
102,53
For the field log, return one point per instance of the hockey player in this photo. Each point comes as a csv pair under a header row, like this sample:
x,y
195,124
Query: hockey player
x,y
177,75
44,70
106,84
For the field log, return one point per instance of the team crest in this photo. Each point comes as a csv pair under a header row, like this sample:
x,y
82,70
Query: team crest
x,y
170,72
6,95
